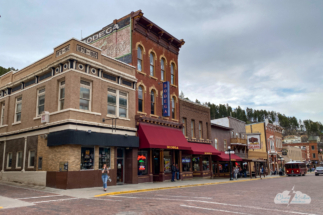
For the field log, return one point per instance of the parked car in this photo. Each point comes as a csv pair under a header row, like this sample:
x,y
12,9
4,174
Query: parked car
x,y
318,170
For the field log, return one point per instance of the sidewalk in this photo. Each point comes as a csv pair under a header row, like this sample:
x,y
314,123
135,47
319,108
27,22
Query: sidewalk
x,y
132,188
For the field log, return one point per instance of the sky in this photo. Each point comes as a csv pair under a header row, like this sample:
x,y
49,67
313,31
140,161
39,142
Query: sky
x,y
259,54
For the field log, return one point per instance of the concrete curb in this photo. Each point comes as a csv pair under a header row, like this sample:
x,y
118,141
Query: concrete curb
x,y
176,187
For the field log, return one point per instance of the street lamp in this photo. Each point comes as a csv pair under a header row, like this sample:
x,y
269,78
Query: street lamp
x,y
229,152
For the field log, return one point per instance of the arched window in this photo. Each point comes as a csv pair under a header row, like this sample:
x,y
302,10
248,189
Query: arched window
x,y
172,74
140,99
173,108
152,65
139,56
162,67
152,100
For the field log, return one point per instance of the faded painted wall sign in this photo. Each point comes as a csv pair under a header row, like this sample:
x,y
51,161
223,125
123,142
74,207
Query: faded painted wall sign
x,y
114,40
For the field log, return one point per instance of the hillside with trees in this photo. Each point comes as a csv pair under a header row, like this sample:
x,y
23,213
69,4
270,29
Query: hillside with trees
x,y
4,70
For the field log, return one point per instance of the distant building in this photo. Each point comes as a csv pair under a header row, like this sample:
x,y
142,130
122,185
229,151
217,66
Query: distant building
x,y
292,139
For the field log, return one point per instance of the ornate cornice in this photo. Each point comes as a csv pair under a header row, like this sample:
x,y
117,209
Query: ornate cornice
x,y
145,119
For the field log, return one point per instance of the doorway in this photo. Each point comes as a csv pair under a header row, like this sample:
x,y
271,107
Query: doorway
x,y
156,162
120,165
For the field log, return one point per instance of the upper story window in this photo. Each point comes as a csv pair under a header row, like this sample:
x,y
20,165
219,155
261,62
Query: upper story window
x,y
112,101
207,131
139,58
312,147
172,76
117,103
152,100
173,108
184,126
313,155
200,130
2,113
152,64
61,95
40,101
140,99
215,143
85,95
193,128
18,109
225,145
123,104
162,67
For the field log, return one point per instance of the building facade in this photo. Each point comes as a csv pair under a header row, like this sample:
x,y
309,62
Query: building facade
x,y
56,119
292,139
274,144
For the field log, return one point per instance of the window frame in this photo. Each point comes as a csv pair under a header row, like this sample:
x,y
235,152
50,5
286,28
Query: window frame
x,y
18,102
193,129
216,143
8,157
17,157
90,94
60,99
314,156
225,145
200,130
29,152
173,108
153,102
184,121
172,75
117,104
39,94
139,59
152,64
207,131
162,69
142,99
114,105
2,113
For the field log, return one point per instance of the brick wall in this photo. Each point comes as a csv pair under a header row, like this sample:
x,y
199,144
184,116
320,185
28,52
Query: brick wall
x,y
220,135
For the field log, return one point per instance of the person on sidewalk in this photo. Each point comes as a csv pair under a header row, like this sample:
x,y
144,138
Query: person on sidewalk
x,y
244,171
105,172
266,171
177,172
173,172
235,171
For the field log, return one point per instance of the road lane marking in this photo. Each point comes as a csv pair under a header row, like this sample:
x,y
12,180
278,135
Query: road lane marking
x,y
212,209
36,197
175,187
189,197
54,200
217,203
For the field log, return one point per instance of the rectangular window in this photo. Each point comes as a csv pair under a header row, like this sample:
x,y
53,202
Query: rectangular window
x,y
2,112
206,163
215,143
225,145
40,101
123,104
87,158
193,128
9,160
18,109
85,95
196,163
40,162
312,147
104,157
207,131
142,162
19,160
31,160
184,126
61,95
313,155
200,130
186,164
112,101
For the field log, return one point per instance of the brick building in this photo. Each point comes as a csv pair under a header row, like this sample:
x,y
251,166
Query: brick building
x,y
56,128
274,144
196,162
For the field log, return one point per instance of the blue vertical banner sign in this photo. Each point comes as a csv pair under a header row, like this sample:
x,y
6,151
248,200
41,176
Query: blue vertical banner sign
x,y
166,105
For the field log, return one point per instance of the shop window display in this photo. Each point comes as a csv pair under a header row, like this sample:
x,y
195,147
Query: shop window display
x,y
104,157
186,163
206,163
196,164
167,161
87,158
142,162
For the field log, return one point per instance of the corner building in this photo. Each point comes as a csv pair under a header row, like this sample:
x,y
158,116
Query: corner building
x,y
136,40
56,126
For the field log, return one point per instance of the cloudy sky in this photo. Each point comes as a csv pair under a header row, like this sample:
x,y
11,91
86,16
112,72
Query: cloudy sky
x,y
256,54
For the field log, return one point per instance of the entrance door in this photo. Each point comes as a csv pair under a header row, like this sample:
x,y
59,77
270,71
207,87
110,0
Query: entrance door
x,y
120,165
156,162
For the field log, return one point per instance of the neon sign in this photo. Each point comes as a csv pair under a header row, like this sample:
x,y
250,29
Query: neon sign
x,y
141,157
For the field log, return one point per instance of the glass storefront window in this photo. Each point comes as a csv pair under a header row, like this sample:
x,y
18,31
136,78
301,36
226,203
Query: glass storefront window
x,y
104,157
206,163
196,164
167,161
87,158
142,162
224,167
186,164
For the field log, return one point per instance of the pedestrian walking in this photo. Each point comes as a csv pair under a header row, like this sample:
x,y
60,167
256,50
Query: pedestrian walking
x,y
177,172
262,172
105,172
173,172
236,171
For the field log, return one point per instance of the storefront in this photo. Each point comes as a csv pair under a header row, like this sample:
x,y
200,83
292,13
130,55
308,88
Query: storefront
x,y
221,164
160,147
198,160
89,151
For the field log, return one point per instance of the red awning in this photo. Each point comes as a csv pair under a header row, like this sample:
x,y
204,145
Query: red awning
x,y
203,149
225,157
160,137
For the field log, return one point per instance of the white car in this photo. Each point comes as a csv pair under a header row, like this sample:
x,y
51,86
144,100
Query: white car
x,y
318,170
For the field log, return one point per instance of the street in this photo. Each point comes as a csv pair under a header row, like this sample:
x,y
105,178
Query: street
x,y
250,197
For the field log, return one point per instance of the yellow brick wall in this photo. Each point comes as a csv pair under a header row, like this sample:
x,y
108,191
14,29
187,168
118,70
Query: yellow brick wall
x,y
258,153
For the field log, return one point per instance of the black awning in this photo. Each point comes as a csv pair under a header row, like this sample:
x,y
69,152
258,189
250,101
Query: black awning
x,y
75,137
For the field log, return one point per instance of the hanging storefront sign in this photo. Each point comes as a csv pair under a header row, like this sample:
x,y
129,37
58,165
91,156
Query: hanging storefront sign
x,y
166,105
254,141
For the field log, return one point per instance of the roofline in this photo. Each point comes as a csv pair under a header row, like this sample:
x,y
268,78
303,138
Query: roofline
x,y
221,126
193,103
